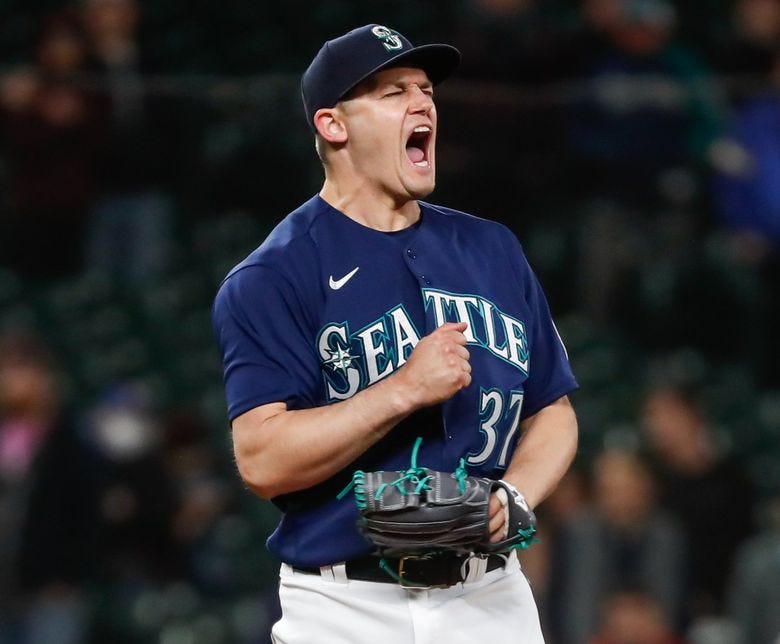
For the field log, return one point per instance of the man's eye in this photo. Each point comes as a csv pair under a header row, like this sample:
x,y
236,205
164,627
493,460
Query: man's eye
x,y
393,92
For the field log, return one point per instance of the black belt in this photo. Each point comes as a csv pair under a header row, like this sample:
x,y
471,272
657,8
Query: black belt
x,y
425,571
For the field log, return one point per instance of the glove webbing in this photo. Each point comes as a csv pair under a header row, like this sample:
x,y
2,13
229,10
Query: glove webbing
x,y
414,474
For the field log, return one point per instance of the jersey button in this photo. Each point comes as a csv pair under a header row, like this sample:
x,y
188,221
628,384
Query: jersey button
x,y
425,280
411,253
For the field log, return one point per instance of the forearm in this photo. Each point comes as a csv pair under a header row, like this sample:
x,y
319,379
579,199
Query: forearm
x,y
545,451
280,451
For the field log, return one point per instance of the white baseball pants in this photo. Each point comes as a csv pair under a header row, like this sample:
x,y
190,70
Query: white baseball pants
x,y
329,609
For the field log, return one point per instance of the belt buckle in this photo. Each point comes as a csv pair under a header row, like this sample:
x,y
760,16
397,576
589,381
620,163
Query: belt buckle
x,y
411,584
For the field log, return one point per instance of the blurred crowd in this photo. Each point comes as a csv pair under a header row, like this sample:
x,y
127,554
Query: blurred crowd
x,y
633,145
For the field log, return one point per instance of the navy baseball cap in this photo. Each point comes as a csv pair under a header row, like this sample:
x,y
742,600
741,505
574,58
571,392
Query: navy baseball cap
x,y
345,61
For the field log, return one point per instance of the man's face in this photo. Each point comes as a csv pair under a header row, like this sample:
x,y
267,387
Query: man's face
x,y
391,132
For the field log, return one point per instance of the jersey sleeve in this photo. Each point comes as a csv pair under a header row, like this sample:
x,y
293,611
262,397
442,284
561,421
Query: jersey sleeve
x,y
550,375
262,331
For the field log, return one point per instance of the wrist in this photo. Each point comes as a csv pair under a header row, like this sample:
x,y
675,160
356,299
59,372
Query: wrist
x,y
519,488
403,395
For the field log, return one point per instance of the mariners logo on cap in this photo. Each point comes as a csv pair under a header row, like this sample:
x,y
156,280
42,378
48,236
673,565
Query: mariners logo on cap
x,y
389,38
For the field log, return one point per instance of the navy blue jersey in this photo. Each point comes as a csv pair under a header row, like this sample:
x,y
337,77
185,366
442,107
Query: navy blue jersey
x,y
326,307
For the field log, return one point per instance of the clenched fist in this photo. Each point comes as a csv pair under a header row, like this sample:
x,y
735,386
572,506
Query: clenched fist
x,y
438,367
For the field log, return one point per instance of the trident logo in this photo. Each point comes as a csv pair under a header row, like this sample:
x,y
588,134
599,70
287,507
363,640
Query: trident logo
x,y
389,39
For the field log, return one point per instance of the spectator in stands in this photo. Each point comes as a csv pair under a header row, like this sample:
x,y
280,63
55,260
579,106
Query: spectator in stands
x,y
701,485
634,617
50,128
131,224
747,188
652,104
47,502
125,432
754,592
747,56
746,197
625,540
650,114
135,549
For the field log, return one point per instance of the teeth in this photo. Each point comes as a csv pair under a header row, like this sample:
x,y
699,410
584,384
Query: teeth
x,y
422,128
422,164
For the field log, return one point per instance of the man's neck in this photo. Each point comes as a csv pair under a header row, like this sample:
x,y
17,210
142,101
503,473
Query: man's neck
x,y
379,211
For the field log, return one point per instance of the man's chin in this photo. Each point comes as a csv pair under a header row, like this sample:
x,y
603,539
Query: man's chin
x,y
420,191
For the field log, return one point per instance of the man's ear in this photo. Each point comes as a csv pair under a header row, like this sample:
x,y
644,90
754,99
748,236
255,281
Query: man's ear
x,y
330,126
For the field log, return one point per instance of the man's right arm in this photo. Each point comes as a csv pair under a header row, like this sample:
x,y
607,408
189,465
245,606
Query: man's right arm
x,y
280,451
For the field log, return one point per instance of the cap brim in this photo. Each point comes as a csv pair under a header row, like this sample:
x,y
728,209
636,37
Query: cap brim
x,y
436,60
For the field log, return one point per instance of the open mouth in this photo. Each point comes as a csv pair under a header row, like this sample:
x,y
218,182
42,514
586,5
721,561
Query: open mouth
x,y
417,146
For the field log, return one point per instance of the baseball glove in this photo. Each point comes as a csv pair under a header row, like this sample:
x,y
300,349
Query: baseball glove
x,y
421,511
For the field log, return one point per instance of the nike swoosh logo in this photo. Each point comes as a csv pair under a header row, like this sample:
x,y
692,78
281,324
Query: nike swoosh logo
x,y
337,284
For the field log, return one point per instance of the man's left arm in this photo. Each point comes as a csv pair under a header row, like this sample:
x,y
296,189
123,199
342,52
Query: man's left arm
x,y
541,458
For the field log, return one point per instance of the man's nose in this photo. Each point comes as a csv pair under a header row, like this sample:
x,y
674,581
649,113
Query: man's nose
x,y
421,101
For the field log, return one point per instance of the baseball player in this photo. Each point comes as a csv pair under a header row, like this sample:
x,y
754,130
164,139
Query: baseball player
x,y
372,329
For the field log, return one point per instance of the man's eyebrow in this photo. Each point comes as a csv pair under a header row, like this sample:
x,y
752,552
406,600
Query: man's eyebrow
x,y
403,84
374,84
